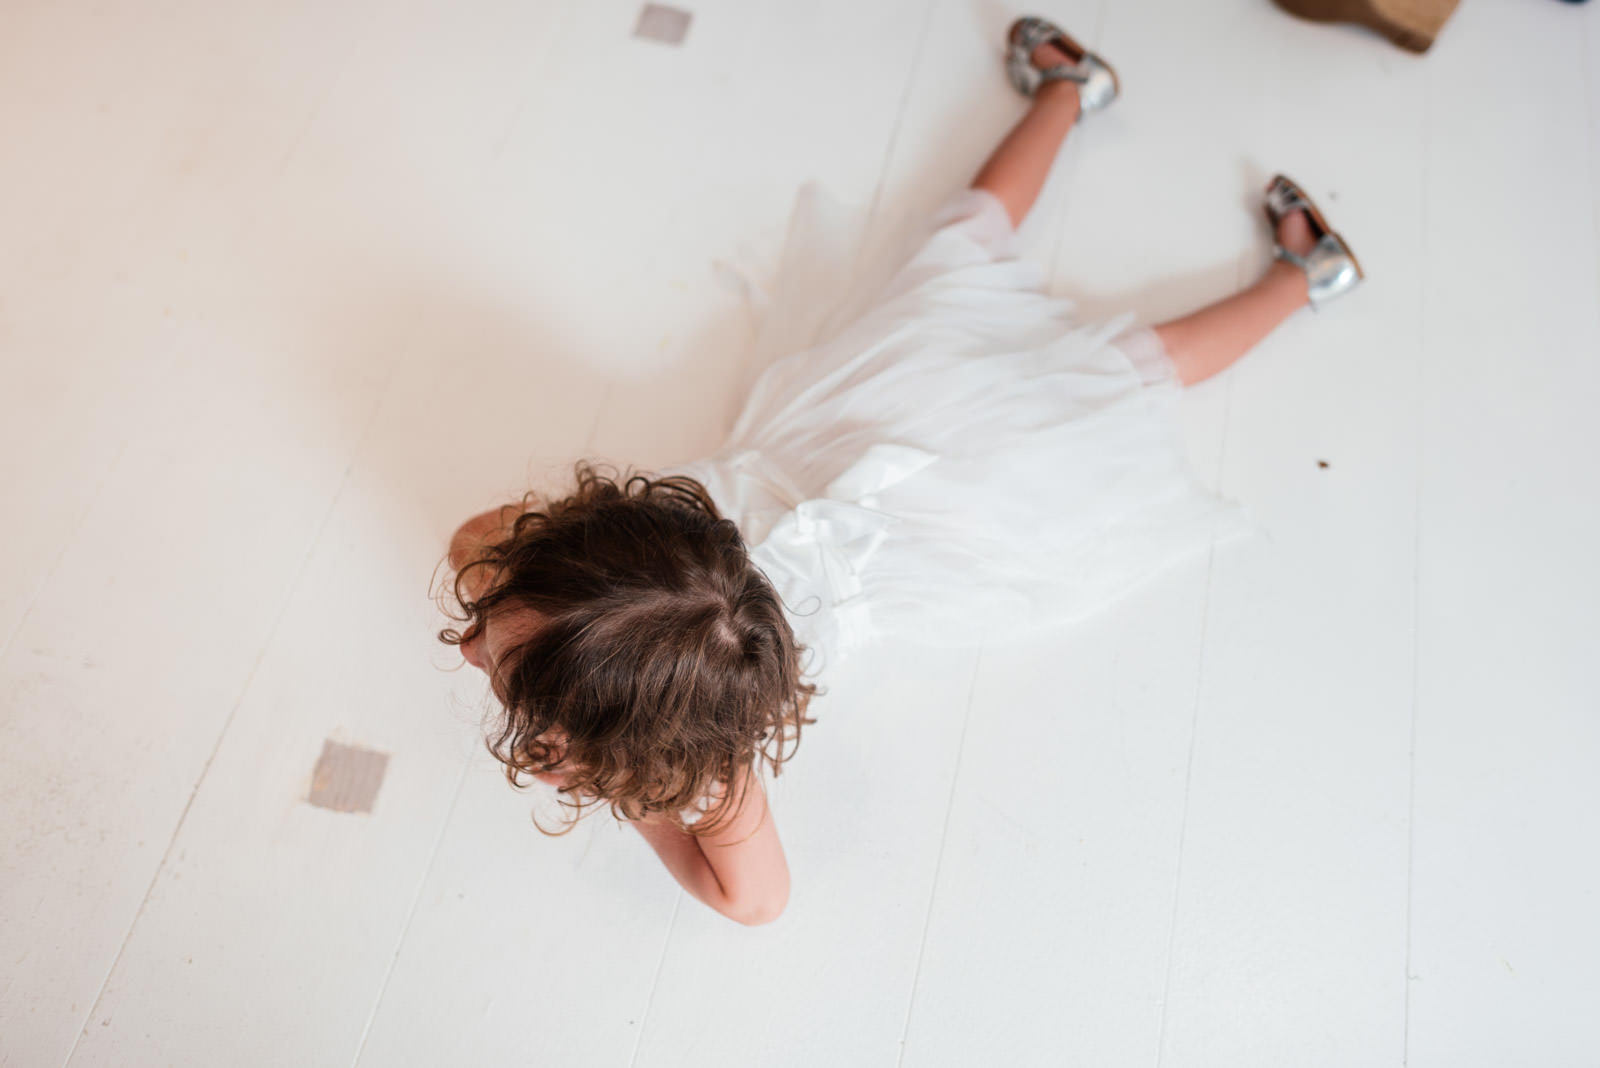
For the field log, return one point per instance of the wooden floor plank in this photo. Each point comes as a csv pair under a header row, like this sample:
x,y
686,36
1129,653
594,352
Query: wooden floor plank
x,y
122,212
355,339
1291,909
510,931
1049,928
1504,932
169,566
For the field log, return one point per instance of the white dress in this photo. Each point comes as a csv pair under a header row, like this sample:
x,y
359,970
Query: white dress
x,y
939,453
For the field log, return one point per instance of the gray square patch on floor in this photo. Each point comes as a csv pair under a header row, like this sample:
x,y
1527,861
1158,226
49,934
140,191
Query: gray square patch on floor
x,y
346,779
668,25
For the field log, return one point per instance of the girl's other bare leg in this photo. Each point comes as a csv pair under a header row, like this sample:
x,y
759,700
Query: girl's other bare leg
x,y
1207,341
1199,344
1016,171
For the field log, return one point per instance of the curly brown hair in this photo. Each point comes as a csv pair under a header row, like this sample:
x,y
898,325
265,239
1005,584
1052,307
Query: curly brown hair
x,y
661,663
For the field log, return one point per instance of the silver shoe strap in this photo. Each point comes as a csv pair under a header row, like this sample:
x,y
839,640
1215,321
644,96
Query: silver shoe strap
x,y
1065,72
1031,34
1281,253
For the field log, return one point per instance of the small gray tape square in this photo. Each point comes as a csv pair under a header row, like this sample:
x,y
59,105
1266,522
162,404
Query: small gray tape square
x,y
346,779
668,25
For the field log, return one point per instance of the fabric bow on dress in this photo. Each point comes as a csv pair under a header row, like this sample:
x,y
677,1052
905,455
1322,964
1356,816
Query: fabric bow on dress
x,y
818,549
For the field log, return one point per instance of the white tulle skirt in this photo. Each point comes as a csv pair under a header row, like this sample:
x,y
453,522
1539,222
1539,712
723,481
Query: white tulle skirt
x,y
932,449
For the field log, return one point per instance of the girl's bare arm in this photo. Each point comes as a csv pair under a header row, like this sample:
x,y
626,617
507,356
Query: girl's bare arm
x,y
739,869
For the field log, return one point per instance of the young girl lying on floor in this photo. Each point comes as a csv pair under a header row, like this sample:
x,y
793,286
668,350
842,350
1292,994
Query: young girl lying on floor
x,y
957,459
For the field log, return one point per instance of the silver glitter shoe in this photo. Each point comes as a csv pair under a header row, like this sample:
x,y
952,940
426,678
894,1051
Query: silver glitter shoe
x,y
1097,82
1331,269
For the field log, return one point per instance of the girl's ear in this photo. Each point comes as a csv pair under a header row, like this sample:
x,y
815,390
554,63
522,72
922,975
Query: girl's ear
x,y
482,530
553,736
556,739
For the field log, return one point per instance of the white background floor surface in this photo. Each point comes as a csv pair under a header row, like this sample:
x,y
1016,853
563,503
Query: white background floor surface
x,y
289,289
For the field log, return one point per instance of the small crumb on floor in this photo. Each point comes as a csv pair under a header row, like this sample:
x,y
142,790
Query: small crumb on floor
x,y
1322,463
658,22
346,778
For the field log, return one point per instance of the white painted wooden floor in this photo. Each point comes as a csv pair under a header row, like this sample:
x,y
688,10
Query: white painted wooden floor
x,y
287,289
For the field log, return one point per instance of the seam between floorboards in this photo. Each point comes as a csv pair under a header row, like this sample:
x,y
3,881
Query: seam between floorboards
x,y
655,980
1416,571
1183,821
938,864
78,523
411,913
894,131
1594,142
558,30
1194,721
1065,167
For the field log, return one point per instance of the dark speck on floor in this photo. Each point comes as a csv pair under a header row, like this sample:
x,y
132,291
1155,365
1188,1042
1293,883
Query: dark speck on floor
x,y
1322,463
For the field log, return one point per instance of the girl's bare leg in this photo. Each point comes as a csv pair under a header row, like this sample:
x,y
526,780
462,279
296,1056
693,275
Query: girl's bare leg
x,y
1016,171
1199,344
1211,339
